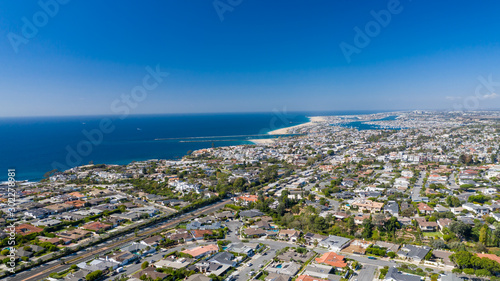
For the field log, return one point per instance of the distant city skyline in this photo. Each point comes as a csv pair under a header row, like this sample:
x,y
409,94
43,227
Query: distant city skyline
x,y
62,58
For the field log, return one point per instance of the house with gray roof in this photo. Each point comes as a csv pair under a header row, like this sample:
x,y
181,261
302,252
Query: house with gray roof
x,y
334,243
240,248
389,246
46,222
224,258
476,209
99,264
320,271
392,208
251,213
286,268
394,275
277,277
77,276
136,248
198,277
413,252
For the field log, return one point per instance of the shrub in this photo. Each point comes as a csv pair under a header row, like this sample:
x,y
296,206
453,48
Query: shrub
x,y
383,272
469,271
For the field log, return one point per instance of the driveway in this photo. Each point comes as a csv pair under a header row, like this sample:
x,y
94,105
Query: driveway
x,y
256,261
367,273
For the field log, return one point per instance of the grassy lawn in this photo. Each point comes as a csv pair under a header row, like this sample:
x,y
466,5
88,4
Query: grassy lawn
x,y
432,234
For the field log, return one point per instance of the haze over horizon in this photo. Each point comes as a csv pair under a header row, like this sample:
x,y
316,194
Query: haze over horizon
x,y
248,56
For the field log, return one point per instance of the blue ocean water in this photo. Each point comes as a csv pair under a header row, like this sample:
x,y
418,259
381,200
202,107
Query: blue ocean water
x,y
361,125
34,146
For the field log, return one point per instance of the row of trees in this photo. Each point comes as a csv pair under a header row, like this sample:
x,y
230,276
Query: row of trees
x,y
472,264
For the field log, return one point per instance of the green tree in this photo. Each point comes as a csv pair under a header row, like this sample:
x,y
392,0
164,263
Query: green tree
x,y
239,183
479,198
408,212
453,201
462,259
269,173
351,225
391,225
483,234
482,273
429,255
94,275
469,271
367,229
465,158
323,201
461,229
438,244
144,265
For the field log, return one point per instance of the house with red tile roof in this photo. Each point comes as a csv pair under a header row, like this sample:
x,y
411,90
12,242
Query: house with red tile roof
x,y
76,203
309,278
59,208
201,251
424,208
246,199
332,259
27,229
96,226
198,234
77,195
490,256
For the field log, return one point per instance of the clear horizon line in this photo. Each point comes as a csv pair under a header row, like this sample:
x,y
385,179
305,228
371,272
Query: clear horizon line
x,y
232,112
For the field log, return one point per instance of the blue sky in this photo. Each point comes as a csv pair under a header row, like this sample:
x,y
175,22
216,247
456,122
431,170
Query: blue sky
x,y
262,56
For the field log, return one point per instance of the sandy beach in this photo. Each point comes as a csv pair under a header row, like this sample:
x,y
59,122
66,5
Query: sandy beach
x,y
284,131
312,120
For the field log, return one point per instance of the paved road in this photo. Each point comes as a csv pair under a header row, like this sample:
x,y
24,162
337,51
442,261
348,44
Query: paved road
x,y
418,186
233,227
134,267
40,272
256,261
362,259
451,181
332,202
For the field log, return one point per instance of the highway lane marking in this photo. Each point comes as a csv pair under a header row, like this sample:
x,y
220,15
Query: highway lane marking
x,y
127,240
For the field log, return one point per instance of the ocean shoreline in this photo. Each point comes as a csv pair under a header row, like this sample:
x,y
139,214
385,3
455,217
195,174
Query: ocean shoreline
x,y
286,130
32,174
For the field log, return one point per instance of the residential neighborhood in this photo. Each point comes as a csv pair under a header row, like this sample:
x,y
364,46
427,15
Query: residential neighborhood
x,y
415,199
